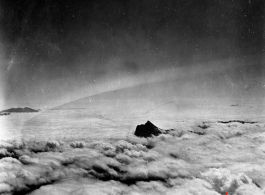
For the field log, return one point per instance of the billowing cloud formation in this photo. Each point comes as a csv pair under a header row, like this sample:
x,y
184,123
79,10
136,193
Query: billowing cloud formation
x,y
209,158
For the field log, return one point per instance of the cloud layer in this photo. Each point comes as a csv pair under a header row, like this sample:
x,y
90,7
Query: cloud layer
x,y
210,158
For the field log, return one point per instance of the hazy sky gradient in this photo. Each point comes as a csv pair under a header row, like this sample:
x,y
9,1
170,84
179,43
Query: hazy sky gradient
x,y
53,52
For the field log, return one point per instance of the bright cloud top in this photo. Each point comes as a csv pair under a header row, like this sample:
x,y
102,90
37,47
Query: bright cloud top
x,y
210,158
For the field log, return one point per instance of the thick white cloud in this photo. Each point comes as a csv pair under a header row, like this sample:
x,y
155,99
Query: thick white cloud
x,y
221,159
5,188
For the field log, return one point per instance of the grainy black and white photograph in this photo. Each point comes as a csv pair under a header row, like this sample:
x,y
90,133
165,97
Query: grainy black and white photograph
x,y
132,97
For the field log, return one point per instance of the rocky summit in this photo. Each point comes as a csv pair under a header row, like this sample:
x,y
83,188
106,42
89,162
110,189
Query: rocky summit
x,y
147,130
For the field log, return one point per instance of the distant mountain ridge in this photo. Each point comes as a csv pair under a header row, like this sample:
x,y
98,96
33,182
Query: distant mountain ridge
x,y
18,110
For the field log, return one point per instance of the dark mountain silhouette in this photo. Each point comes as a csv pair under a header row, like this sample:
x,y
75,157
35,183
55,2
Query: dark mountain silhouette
x,y
147,130
19,110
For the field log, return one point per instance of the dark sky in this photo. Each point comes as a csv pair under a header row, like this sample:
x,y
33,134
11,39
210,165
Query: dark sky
x,y
56,51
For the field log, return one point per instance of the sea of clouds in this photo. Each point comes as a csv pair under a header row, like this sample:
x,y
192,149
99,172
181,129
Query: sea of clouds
x,y
208,158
